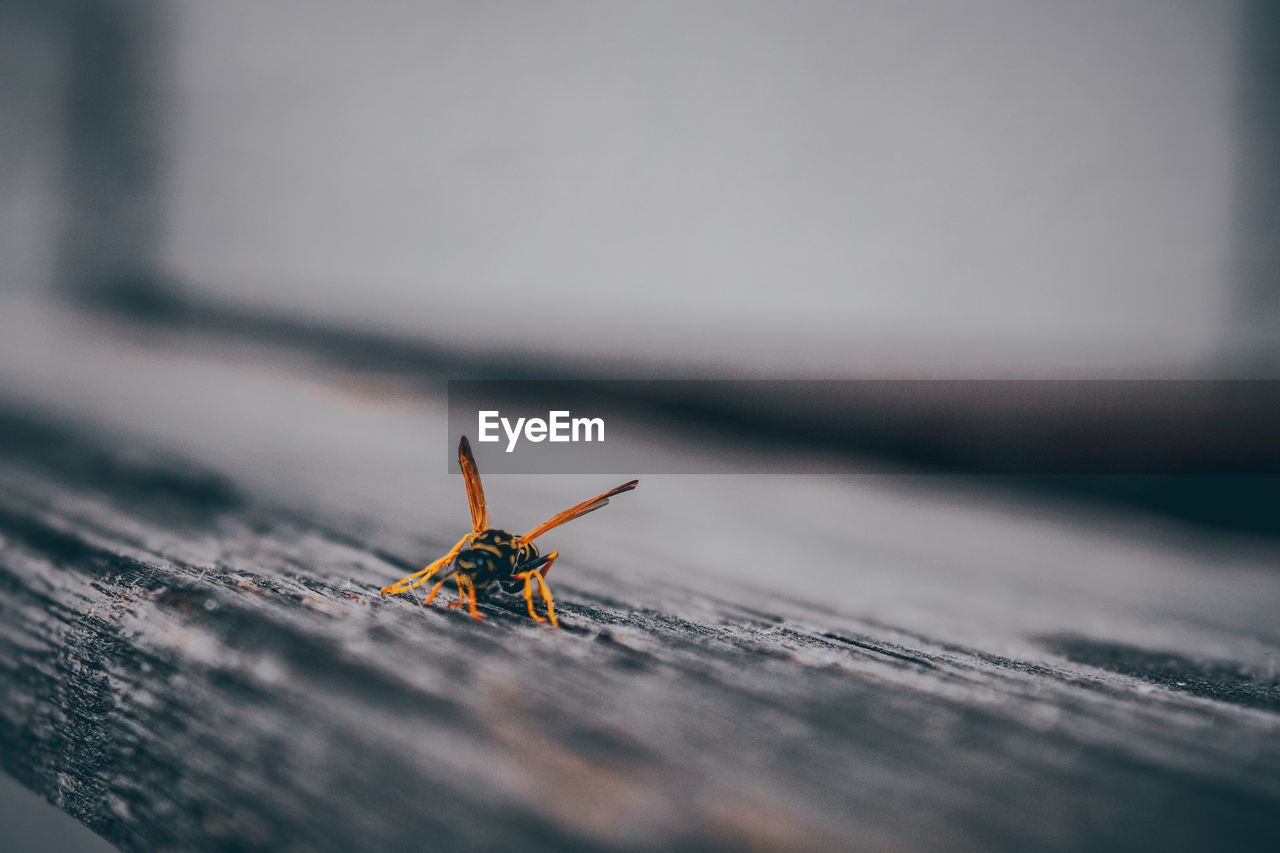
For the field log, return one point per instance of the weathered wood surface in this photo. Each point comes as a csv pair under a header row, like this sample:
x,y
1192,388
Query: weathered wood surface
x,y
193,653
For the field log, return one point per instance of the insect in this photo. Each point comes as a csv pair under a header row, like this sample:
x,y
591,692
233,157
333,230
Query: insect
x,y
487,556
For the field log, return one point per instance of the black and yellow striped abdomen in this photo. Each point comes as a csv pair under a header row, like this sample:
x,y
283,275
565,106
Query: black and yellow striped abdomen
x,y
492,558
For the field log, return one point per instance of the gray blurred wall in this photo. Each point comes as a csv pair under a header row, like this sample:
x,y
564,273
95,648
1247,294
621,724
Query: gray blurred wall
x,y
778,188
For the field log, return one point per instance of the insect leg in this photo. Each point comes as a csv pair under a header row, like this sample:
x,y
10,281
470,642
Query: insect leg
x,y
467,596
462,592
545,591
419,578
528,595
534,572
436,588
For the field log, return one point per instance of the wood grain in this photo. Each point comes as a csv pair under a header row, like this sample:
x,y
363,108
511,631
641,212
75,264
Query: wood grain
x,y
194,655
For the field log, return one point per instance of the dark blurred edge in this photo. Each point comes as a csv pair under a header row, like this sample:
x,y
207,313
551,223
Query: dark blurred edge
x,y
1215,441
1256,252
960,426
28,823
114,100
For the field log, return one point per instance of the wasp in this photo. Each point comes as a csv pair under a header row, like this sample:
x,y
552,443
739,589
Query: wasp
x,y
487,556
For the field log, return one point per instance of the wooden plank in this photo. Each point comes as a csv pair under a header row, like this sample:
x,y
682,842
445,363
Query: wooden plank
x,y
193,653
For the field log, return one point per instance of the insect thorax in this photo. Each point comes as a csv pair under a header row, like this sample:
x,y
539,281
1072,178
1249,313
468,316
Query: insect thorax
x,y
493,557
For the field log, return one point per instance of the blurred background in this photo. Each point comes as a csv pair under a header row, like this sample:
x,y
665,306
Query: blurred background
x,y
705,190
998,188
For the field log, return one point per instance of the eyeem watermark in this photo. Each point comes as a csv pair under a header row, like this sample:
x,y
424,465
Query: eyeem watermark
x,y
559,426
980,426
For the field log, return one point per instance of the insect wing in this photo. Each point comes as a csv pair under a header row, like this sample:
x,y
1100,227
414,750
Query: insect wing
x,y
475,491
577,511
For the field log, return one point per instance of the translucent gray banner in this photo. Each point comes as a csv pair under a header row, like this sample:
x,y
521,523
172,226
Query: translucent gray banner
x,y
1048,427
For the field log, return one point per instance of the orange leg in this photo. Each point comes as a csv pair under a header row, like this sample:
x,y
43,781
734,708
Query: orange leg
x,y
419,578
528,594
545,591
537,576
462,592
467,596
436,589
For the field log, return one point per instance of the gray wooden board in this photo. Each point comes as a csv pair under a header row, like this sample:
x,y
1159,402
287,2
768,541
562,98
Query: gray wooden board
x,y
194,654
